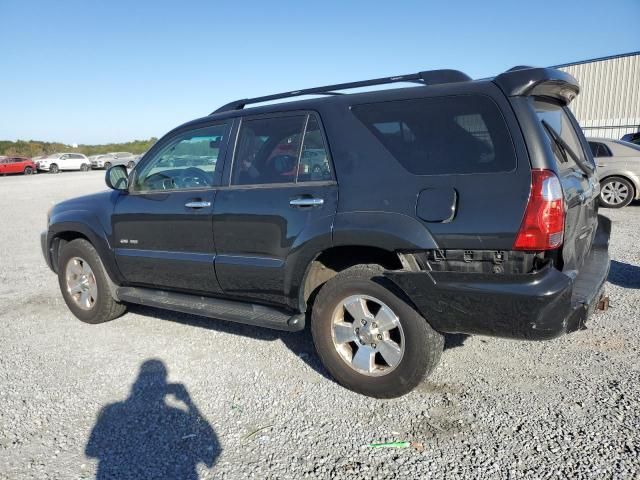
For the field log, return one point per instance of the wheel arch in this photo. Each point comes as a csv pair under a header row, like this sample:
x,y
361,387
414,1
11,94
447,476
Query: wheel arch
x,y
63,232
331,261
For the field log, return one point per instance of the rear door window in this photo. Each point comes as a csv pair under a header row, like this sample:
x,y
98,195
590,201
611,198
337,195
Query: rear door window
x,y
443,135
280,150
268,150
314,162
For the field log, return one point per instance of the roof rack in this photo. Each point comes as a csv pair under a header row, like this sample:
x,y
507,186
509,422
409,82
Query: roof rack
x,y
431,77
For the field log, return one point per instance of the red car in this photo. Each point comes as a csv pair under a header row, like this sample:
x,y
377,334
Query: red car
x,y
17,165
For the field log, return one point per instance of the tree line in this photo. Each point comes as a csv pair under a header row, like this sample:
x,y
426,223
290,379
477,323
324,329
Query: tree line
x,y
36,148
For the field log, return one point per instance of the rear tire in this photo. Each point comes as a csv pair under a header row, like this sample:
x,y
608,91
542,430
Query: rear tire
x,y
28,171
54,168
84,284
397,359
84,167
616,192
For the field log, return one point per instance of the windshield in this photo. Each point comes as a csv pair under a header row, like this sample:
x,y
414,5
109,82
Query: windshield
x,y
556,118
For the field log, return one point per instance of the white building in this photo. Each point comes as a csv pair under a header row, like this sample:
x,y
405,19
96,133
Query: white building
x,y
609,102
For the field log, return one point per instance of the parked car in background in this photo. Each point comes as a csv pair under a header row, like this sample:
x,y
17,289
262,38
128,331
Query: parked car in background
x,y
632,138
618,165
64,161
108,160
17,165
97,161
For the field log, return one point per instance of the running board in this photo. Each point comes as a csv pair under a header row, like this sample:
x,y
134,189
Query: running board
x,y
232,311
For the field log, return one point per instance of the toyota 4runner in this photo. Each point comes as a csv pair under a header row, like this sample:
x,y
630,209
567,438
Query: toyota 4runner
x,y
386,219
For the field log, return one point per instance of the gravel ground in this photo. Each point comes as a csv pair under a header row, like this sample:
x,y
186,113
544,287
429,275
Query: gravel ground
x,y
156,394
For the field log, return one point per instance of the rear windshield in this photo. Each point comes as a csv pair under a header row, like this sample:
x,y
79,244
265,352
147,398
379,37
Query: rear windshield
x,y
556,117
443,135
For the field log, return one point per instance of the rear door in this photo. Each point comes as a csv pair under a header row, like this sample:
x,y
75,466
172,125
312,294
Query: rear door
x,y
281,194
14,165
580,187
65,162
162,229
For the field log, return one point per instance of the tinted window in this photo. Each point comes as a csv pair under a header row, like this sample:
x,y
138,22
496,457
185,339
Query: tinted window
x,y
189,160
445,135
557,118
599,149
268,150
314,162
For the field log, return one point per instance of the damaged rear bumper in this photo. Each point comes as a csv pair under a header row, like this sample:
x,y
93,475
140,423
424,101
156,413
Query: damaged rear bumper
x,y
536,306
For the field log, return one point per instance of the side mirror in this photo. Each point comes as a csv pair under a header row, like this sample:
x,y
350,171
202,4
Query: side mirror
x,y
116,178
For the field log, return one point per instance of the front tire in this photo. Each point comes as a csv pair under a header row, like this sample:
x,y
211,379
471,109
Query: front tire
x,y
616,192
54,168
369,337
84,284
28,171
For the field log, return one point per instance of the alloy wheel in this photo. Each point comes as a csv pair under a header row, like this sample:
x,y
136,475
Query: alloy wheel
x,y
81,283
615,192
367,335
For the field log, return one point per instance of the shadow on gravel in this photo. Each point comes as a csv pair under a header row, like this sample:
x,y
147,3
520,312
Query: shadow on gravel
x,y
146,437
453,340
300,343
624,275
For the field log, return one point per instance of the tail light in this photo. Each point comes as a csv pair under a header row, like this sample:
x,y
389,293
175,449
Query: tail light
x,y
543,224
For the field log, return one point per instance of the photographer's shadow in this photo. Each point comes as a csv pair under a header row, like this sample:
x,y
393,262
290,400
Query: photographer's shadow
x,y
145,437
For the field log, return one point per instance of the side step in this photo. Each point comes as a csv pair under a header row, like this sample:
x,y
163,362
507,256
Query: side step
x,y
229,310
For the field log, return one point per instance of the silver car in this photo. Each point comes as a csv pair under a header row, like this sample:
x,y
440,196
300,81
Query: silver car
x,y
107,160
618,165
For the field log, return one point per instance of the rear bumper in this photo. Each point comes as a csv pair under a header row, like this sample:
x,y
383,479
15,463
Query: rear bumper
x,y
537,306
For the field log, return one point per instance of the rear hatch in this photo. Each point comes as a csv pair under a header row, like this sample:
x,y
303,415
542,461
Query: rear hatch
x,y
575,168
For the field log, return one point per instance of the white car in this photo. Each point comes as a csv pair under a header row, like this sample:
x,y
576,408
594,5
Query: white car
x,y
64,161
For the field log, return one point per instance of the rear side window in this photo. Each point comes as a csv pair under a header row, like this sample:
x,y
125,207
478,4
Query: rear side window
x,y
555,117
444,135
599,149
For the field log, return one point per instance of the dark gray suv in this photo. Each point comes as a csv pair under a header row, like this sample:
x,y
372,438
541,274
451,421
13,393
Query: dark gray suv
x,y
385,219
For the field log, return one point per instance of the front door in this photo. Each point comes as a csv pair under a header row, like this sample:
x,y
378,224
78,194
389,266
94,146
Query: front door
x,y
162,229
282,193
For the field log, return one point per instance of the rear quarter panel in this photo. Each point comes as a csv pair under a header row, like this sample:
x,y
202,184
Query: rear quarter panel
x,y
490,206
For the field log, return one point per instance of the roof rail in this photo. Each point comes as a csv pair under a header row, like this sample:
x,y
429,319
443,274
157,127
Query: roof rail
x,y
431,77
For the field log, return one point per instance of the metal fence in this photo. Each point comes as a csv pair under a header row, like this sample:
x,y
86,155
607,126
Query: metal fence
x,y
613,132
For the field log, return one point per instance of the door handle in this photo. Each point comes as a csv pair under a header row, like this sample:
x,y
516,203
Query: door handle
x,y
197,204
306,202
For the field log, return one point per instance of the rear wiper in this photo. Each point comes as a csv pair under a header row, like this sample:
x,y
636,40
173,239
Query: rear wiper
x,y
566,149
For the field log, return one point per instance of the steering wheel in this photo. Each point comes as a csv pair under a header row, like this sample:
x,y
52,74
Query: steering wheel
x,y
194,177
159,181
